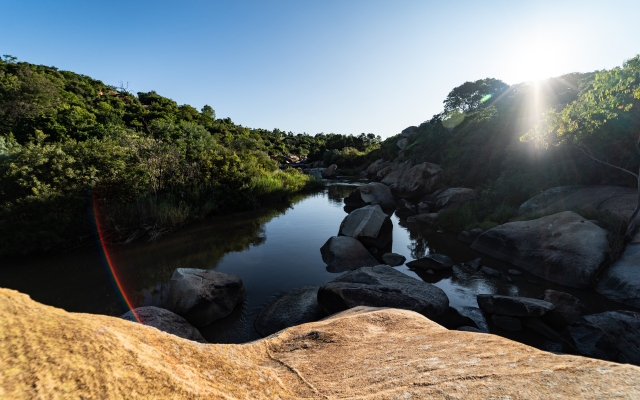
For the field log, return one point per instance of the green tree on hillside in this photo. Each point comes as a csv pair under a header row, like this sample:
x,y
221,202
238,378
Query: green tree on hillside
x,y
470,95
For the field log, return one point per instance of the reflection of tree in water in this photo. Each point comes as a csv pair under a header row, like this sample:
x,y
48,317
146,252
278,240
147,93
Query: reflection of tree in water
x,y
336,193
419,246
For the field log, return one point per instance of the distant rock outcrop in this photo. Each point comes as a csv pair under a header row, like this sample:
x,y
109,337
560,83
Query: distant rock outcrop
x,y
407,181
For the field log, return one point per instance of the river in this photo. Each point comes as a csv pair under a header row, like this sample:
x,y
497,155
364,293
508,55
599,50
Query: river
x,y
273,249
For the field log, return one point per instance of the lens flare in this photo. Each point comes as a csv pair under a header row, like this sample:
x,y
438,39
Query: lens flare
x,y
485,98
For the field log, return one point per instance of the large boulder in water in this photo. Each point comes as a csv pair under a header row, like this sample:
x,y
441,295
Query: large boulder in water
x,y
621,282
408,181
611,335
330,172
165,321
343,253
376,166
295,307
435,262
620,201
445,198
563,248
202,296
513,306
382,286
370,225
373,193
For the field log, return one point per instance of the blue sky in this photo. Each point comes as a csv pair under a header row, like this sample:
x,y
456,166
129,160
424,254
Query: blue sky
x,y
319,66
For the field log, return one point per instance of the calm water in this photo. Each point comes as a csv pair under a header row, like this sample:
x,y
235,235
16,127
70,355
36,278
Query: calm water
x,y
273,249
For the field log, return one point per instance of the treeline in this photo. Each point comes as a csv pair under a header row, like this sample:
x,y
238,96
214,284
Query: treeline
x,y
70,143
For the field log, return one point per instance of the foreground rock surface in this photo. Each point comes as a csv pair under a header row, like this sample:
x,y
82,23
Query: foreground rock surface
x,y
621,282
369,225
295,307
382,286
166,321
343,253
362,353
611,335
202,296
563,248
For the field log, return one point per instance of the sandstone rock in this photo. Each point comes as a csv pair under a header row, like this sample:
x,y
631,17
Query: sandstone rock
x,y
469,236
506,323
382,286
393,259
621,282
370,225
343,253
567,308
338,357
330,172
408,181
426,219
611,335
620,201
165,321
377,194
436,262
295,307
202,296
563,248
513,306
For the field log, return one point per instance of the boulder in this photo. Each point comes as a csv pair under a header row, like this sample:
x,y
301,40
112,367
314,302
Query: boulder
x,y
426,219
370,225
621,282
563,248
435,262
393,259
423,208
405,209
202,296
448,197
469,236
330,172
354,199
295,307
165,321
611,335
402,143
343,253
377,194
489,271
376,166
384,171
412,130
363,353
513,306
408,181
453,319
382,286
536,325
506,323
620,201
568,309
473,264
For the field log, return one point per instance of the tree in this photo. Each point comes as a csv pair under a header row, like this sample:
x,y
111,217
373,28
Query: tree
x,y
604,123
470,95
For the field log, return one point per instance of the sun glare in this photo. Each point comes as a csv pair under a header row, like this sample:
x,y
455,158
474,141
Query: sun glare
x,y
537,59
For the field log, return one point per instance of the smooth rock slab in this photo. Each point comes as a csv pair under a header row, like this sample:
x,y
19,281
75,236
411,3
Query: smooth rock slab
x,y
343,253
621,282
295,307
165,321
393,259
513,306
382,286
435,262
563,248
611,335
374,193
202,296
370,225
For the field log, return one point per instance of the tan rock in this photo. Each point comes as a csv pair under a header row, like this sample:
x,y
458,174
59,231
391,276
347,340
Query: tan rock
x,y
363,353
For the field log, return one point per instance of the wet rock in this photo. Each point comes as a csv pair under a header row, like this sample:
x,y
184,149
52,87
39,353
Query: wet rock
x,y
535,324
469,236
621,282
473,264
375,193
506,323
513,306
295,307
568,309
382,286
563,248
165,321
514,272
425,219
489,271
343,253
408,181
330,172
611,335
370,225
393,259
202,296
435,262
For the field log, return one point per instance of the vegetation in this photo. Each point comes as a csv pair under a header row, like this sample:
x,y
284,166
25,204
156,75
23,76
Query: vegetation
x,y
71,145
